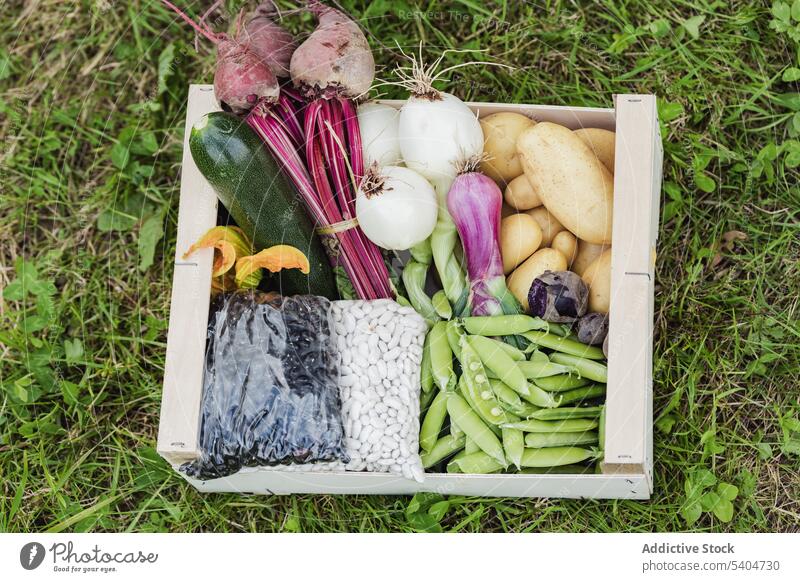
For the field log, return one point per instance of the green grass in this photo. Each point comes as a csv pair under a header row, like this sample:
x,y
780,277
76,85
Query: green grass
x,y
91,123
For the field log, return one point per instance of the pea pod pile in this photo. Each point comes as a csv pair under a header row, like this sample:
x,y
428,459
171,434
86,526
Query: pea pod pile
x,y
510,393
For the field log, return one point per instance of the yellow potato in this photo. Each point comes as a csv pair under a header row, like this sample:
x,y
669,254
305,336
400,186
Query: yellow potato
x,y
520,236
500,133
587,253
572,183
597,277
550,226
520,281
520,194
601,142
566,244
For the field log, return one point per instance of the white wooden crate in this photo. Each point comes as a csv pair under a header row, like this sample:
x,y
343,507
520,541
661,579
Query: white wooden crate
x,y
627,468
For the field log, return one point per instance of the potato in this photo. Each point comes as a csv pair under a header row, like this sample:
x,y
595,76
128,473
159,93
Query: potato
x,y
566,244
550,226
500,133
520,236
520,194
587,253
520,281
571,182
507,210
601,142
597,277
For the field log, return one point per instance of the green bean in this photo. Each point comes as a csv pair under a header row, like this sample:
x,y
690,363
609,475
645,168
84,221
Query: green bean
x,y
477,386
563,344
466,418
540,440
562,470
555,456
566,413
426,373
561,382
539,397
584,393
442,305
513,445
441,357
499,362
586,368
470,447
532,425
505,394
434,419
444,447
477,464
499,325
454,334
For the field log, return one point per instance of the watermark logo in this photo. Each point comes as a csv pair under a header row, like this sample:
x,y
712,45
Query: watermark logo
x,y
31,555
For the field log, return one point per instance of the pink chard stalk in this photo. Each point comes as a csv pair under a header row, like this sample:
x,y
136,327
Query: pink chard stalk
x,y
475,202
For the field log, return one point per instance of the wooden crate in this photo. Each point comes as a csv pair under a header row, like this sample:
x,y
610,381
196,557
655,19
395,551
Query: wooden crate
x,y
628,464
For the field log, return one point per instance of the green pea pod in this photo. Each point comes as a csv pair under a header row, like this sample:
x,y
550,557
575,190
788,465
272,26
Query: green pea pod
x,y
539,397
505,394
455,431
513,445
499,362
425,399
514,353
567,413
561,382
584,393
601,430
444,447
434,419
555,456
454,334
586,368
476,464
462,414
538,356
542,369
476,385
442,305
465,394
500,325
549,426
471,447
542,440
563,344
441,357
426,372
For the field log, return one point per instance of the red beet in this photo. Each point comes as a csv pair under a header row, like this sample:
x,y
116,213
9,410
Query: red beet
x,y
336,57
270,41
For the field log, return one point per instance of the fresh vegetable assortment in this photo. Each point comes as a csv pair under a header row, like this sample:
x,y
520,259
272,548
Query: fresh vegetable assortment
x,y
493,356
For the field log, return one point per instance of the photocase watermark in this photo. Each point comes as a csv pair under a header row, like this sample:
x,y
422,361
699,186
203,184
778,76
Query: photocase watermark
x,y
65,558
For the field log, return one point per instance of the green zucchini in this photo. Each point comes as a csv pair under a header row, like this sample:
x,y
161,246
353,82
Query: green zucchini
x,y
259,197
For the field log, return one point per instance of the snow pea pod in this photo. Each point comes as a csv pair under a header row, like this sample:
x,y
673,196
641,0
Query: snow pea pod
x,y
561,382
499,325
426,372
477,464
584,393
514,353
550,426
539,397
533,370
566,413
441,357
513,445
441,305
540,440
476,385
505,394
454,334
563,344
470,447
499,362
434,419
586,368
466,418
444,447
555,456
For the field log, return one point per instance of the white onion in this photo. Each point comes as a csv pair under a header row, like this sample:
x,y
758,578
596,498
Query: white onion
x,y
378,125
438,133
396,207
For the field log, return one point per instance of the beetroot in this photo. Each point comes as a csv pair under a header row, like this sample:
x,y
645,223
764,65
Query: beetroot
x,y
271,42
336,58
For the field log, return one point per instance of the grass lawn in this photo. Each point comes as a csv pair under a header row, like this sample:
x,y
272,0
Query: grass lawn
x,y
92,101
